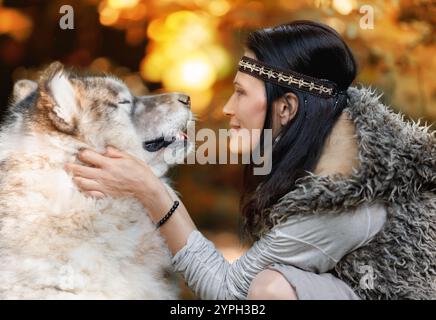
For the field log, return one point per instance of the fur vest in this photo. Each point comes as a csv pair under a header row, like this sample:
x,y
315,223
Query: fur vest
x,y
397,167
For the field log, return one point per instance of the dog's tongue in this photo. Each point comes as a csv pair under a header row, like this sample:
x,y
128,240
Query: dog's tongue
x,y
157,144
183,135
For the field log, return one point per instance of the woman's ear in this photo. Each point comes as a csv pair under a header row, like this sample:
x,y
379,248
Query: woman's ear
x,y
286,108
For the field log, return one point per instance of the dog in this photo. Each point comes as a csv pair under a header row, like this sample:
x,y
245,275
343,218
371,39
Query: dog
x,y
55,242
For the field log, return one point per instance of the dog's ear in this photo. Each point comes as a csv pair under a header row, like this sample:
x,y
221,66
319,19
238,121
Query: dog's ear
x,y
59,98
23,88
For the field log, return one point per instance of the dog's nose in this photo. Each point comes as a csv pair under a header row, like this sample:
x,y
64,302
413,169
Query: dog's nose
x,y
185,99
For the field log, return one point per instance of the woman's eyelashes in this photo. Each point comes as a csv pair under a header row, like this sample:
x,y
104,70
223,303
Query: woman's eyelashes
x,y
239,91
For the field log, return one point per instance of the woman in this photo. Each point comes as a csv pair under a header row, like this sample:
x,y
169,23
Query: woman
x,y
315,140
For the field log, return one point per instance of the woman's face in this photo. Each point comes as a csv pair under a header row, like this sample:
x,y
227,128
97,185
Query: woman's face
x,y
246,109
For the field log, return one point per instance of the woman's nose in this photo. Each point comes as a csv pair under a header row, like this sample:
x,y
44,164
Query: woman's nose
x,y
228,110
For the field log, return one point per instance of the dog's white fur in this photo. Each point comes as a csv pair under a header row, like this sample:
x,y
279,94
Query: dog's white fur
x,y
55,243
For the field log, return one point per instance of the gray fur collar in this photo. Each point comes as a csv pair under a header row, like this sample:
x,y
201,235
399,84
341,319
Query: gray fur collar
x,y
397,167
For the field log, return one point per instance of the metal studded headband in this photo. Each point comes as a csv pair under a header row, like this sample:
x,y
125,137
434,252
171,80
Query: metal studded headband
x,y
291,79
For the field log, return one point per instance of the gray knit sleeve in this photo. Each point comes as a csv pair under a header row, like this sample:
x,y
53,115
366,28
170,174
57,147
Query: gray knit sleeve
x,y
313,243
211,276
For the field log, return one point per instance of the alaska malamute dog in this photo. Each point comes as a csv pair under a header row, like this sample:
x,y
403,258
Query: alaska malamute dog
x,y
54,241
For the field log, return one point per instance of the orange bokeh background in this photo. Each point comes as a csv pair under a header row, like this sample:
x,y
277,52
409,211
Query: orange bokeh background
x,y
194,45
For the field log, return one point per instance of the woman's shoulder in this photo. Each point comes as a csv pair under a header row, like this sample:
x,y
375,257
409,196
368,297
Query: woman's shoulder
x,y
335,234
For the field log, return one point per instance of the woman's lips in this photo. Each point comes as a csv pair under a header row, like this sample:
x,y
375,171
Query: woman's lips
x,y
234,129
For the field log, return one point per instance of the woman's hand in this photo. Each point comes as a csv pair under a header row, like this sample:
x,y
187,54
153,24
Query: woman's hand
x,y
115,173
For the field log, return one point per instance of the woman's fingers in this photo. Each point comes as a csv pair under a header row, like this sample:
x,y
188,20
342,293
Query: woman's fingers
x,y
91,157
82,171
88,184
114,152
95,194
114,173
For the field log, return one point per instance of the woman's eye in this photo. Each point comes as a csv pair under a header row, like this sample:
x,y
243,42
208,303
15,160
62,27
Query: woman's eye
x,y
124,102
239,92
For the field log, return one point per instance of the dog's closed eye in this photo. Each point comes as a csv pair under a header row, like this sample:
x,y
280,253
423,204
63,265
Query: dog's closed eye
x,y
124,102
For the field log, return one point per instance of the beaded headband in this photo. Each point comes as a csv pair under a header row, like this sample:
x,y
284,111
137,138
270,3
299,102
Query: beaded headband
x,y
291,79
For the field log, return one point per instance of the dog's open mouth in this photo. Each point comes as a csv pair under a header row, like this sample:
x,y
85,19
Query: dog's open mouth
x,y
163,142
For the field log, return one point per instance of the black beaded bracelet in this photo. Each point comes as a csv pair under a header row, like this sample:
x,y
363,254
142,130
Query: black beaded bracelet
x,y
168,215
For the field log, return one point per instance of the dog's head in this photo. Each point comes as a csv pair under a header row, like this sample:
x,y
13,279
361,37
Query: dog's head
x,y
101,110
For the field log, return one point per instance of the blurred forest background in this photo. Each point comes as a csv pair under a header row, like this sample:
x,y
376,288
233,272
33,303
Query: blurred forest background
x,y
194,46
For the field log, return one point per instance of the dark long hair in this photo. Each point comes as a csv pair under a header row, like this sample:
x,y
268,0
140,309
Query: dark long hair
x,y
312,49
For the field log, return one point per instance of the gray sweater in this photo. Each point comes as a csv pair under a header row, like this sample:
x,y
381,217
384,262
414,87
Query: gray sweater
x,y
310,242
